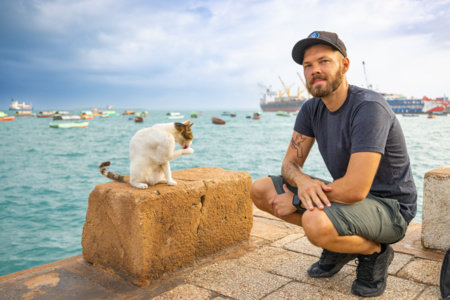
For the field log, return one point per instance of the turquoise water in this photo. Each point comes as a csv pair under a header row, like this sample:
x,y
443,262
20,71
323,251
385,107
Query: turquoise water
x,y
46,174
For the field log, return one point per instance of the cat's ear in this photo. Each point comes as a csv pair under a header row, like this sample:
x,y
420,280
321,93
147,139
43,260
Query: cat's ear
x,y
189,126
187,122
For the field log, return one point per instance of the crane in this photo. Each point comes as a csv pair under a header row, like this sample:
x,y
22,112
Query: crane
x,y
369,86
287,90
304,84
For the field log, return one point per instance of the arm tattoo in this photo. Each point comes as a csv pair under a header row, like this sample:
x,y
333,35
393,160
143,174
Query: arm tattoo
x,y
288,171
296,144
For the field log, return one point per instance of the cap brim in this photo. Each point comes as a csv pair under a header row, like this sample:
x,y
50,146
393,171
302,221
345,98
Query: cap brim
x,y
298,52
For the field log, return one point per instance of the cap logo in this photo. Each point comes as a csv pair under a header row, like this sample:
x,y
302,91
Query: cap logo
x,y
314,35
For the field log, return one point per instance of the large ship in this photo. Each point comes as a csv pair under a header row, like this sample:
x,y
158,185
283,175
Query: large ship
x,y
272,101
402,105
276,101
15,105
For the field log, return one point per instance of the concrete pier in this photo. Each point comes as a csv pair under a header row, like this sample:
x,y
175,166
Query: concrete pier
x,y
436,209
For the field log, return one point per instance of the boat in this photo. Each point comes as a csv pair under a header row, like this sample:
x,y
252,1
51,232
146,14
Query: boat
x,y
217,121
67,117
273,101
25,113
15,105
5,117
194,115
69,124
128,112
87,114
282,113
256,116
138,119
403,105
45,114
174,116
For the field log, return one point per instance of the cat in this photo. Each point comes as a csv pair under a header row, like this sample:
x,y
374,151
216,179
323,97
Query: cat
x,y
151,150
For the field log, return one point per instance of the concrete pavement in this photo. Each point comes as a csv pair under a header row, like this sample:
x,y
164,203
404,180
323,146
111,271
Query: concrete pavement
x,y
272,265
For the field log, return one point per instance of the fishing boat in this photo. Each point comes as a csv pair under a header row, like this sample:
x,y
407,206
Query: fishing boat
x,y
217,121
128,112
174,116
87,114
67,117
256,116
194,115
45,114
25,113
15,105
69,124
282,113
5,117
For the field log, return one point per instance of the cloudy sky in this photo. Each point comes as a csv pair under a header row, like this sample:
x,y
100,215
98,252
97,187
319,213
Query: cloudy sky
x,y
185,54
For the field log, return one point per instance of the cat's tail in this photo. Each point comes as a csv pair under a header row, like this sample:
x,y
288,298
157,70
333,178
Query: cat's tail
x,y
109,174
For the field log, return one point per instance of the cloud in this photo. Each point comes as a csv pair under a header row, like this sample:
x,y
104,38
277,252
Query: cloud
x,y
182,49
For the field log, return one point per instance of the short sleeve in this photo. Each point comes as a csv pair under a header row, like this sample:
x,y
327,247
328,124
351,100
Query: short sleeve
x,y
303,123
370,128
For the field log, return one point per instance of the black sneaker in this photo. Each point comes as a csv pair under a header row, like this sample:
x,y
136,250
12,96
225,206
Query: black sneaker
x,y
329,264
371,274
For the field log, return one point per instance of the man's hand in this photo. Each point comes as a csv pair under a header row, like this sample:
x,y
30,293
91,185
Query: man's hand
x,y
282,204
312,193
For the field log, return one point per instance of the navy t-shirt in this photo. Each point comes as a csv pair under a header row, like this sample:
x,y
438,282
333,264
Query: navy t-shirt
x,y
364,123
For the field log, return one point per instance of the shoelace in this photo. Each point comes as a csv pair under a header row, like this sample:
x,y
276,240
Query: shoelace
x,y
365,267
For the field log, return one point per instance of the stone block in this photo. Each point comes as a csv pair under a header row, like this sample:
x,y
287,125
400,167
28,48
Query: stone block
x,y
436,209
141,234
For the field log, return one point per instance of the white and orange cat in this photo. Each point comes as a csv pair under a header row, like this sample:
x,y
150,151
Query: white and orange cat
x,y
151,150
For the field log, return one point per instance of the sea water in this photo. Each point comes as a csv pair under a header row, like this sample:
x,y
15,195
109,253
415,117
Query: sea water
x,y
46,174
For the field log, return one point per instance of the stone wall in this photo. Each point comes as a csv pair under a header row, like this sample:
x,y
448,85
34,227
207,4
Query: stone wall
x,y
436,209
142,234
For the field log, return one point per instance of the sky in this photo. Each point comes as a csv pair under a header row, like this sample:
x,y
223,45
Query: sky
x,y
209,55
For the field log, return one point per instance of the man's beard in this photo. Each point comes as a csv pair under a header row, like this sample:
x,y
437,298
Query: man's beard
x,y
330,86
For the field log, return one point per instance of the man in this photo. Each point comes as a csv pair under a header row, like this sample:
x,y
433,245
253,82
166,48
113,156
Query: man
x,y
372,197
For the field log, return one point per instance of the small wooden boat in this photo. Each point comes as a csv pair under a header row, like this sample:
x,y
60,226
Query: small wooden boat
x,y
282,113
218,121
128,112
256,116
45,114
25,113
5,117
174,116
138,119
69,124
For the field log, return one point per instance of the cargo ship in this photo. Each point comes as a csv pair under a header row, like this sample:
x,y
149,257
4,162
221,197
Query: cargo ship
x,y
401,105
272,101
15,105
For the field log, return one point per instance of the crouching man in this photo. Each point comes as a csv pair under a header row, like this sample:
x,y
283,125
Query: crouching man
x,y
372,197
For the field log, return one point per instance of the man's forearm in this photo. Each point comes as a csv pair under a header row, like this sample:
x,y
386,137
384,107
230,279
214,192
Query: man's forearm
x,y
290,170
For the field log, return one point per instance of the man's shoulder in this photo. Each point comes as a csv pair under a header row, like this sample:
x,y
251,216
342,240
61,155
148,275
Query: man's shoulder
x,y
364,94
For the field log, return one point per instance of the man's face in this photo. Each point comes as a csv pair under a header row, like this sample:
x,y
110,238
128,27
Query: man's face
x,y
323,69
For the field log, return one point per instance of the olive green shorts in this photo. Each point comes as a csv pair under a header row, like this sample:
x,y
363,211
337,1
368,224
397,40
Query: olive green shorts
x,y
377,219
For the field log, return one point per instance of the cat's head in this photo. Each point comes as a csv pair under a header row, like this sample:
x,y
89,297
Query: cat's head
x,y
184,136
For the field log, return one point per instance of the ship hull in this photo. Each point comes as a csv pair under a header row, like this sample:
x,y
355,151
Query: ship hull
x,y
284,106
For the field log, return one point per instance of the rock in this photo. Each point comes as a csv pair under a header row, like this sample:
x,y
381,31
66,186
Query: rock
x,y
436,209
141,234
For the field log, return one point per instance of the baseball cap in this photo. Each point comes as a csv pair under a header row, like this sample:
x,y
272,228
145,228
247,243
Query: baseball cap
x,y
317,37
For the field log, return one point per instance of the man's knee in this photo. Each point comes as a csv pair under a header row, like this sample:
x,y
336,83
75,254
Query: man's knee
x,y
318,227
259,191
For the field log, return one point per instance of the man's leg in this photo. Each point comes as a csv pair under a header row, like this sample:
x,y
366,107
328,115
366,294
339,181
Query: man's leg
x,y
262,191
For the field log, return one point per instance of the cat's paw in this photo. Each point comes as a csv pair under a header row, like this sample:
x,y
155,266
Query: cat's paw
x,y
171,182
141,186
188,151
